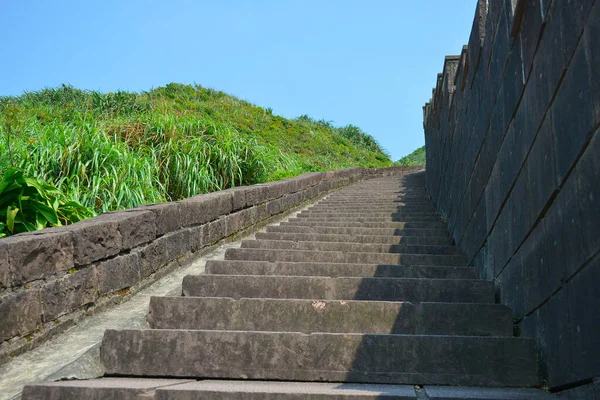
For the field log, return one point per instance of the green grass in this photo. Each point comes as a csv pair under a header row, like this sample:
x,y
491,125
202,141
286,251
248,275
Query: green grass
x,y
118,150
417,157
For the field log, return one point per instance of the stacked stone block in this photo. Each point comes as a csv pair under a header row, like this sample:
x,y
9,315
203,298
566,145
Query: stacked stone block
x,y
512,164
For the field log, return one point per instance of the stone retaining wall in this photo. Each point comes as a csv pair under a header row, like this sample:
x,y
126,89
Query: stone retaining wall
x,y
513,164
50,278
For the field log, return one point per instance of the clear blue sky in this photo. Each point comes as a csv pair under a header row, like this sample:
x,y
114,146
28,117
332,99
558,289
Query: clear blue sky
x,y
368,63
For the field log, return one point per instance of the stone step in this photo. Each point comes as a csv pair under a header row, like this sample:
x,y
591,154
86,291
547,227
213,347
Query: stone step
x,y
167,389
320,237
343,288
308,316
343,257
441,360
337,213
359,231
378,202
369,210
362,219
354,247
364,214
349,224
368,213
380,199
237,267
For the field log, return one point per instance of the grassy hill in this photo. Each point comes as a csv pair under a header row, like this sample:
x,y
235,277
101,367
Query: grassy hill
x,y
118,150
417,157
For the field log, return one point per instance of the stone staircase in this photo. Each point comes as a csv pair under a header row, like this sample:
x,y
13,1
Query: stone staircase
x,y
365,291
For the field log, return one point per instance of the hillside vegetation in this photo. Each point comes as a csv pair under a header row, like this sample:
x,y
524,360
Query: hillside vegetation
x,y
417,157
118,150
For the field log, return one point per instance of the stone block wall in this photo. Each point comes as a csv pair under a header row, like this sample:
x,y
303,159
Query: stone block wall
x,y
50,278
513,164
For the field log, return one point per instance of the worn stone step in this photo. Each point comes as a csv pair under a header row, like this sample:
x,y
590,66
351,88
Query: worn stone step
x,y
442,360
363,219
373,211
368,213
354,247
379,194
167,389
349,224
242,267
360,231
380,199
343,257
343,288
100,389
308,316
399,212
319,237
378,215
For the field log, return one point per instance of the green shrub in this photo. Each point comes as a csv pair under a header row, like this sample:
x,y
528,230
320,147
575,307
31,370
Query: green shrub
x,y
417,157
27,204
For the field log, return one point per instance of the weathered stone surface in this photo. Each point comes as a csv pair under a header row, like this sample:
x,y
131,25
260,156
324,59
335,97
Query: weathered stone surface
x,y
353,247
565,240
152,256
343,288
322,237
205,207
177,244
272,207
4,268
98,389
249,390
255,194
277,189
342,257
583,293
117,273
167,216
20,313
359,231
548,326
243,267
66,294
95,239
238,197
36,256
198,237
587,175
318,357
217,230
235,223
351,224
329,316
136,227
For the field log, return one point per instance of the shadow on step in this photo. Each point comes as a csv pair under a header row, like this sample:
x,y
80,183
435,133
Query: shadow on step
x,y
446,331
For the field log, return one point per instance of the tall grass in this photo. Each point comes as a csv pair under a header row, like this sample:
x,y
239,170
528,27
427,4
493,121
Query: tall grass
x,y
118,150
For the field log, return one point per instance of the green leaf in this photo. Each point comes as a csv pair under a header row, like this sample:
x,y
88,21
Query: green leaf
x,y
11,214
48,212
40,221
